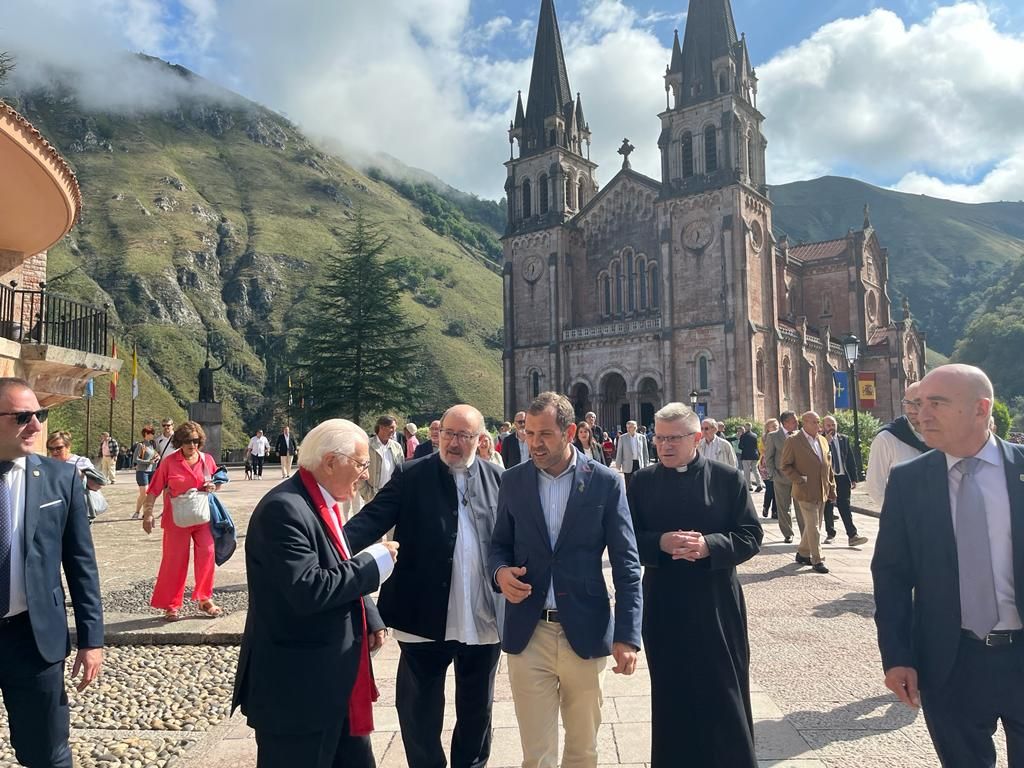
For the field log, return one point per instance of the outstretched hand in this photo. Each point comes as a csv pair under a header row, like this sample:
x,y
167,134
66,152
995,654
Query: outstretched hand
x,y
514,590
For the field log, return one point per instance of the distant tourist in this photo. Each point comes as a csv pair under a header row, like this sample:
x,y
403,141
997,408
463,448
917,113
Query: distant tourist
x,y
768,503
587,444
807,464
846,467
385,456
774,443
107,454
258,449
144,458
429,447
58,445
631,454
749,456
411,441
897,441
713,447
487,451
286,447
164,439
514,449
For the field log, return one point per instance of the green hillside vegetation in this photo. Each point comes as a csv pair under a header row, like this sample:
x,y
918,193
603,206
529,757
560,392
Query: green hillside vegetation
x,y
942,254
214,216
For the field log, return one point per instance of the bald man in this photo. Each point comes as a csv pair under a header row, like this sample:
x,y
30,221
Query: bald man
x,y
807,464
899,440
949,555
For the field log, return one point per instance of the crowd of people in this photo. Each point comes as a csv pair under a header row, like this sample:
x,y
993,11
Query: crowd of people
x,y
477,546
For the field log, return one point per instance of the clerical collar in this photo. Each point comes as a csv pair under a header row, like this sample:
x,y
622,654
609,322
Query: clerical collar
x,y
686,467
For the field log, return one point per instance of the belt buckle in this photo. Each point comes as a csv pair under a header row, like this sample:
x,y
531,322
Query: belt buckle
x,y
1002,638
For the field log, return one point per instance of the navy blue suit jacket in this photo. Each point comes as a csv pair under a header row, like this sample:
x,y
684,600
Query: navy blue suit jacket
x,y
596,518
57,534
423,449
917,581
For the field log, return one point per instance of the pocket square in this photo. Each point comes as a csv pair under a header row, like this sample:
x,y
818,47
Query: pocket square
x,y
50,504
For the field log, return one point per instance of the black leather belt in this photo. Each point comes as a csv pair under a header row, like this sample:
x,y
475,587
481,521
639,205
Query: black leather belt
x,y
10,621
549,615
994,639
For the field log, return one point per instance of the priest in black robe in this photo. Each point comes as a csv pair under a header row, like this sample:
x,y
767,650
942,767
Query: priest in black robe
x,y
695,522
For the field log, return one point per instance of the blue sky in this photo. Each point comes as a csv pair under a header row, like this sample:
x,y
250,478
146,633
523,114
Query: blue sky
x,y
919,95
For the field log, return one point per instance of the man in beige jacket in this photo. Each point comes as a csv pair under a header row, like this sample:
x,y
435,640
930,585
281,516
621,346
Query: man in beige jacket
x,y
807,464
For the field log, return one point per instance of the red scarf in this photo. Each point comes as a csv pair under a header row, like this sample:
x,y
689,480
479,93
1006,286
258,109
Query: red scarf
x,y
364,692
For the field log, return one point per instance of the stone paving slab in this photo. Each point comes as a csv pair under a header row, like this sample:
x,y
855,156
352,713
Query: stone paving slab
x,y
817,684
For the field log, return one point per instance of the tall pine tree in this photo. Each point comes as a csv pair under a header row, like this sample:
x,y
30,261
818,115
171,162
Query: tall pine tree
x,y
358,347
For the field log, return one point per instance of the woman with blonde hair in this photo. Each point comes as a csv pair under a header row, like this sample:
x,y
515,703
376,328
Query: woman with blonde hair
x,y
486,451
186,469
58,446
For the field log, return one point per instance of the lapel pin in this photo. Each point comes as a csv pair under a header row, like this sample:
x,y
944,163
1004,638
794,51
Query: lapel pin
x,y
580,486
35,473
1022,478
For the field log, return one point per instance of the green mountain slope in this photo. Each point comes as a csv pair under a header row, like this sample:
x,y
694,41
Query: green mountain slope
x,y
943,255
213,217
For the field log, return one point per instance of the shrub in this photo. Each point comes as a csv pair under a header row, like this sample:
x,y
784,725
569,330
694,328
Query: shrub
x,y
869,426
1001,415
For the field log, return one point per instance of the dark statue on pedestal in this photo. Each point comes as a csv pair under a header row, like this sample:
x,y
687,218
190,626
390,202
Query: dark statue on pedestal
x,y
206,391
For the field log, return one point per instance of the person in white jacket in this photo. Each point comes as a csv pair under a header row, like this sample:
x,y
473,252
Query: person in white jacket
x,y
714,447
896,442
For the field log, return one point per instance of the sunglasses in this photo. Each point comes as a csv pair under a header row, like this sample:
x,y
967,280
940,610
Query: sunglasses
x,y
191,441
55,448
24,417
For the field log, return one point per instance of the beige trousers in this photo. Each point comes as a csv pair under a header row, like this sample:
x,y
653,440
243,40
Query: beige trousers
x,y
548,677
286,465
783,503
811,512
108,468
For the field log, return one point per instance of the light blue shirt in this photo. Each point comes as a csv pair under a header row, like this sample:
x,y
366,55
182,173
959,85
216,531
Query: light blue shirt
x,y
554,495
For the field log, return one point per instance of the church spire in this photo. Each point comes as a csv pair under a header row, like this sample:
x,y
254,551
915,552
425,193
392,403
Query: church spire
x,y
709,46
550,95
677,55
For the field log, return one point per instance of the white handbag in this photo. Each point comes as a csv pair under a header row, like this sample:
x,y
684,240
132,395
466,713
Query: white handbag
x,y
193,506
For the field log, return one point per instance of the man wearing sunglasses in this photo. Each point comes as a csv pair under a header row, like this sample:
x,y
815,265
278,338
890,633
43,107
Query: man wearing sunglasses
x,y
439,601
43,523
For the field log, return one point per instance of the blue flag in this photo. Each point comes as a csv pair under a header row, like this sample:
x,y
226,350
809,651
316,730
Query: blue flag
x,y
88,388
841,380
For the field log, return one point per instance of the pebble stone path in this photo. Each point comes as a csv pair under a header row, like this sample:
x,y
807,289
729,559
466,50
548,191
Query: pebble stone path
x,y
163,699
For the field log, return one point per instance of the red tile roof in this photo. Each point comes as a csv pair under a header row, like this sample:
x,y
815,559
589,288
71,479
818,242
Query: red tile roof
x,y
826,249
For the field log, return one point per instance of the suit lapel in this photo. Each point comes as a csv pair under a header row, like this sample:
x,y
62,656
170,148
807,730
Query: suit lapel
x,y
1013,463
34,475
580,484
937,501
533,506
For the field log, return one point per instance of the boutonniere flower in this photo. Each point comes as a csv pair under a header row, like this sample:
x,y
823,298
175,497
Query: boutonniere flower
x,y
580,487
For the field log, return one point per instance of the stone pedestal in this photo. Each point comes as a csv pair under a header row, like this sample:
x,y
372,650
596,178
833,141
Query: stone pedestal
x,y
210,416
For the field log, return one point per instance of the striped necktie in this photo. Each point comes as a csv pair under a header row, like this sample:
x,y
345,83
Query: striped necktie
x,y
6,536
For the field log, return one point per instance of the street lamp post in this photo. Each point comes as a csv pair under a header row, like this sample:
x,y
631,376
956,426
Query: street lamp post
x,y
851,348
693,400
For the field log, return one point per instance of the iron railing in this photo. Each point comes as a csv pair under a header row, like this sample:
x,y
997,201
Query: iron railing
x,y
39,317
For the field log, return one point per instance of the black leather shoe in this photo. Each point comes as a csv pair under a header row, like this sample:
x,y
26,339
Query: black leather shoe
x,y
802,560
788,540
819,568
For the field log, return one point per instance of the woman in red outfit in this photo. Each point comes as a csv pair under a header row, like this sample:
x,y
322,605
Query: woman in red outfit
x,y
188,467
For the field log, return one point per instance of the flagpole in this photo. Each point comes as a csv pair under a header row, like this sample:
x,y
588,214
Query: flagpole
x,y
135,386
88,419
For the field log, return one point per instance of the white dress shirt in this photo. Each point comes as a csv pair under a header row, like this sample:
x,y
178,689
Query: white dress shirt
x,y
387,463
887,451
381,555
815,444
554,495
991,477
16,483
259,446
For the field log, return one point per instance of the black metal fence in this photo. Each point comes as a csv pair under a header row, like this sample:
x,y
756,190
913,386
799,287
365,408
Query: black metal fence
x,y
38,317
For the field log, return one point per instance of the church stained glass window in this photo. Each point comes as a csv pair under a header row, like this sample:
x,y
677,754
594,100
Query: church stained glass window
x,y
687,155
702,373
543,194
527,200
655,286
710,150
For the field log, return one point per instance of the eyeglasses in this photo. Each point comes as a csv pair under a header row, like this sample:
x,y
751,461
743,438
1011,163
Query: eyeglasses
x,y
911,403
673,439
171,424
191,441
55,448
462,437
24,417
362,466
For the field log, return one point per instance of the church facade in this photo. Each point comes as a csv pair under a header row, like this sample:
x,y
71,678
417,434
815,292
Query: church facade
x,y
645,291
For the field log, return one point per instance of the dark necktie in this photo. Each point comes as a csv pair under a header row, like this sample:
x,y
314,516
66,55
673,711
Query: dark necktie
x,y
978,608
6,536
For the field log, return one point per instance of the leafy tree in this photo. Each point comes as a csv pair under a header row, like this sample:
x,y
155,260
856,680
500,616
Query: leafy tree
x,y
1001,414
869,426
6,65
358,348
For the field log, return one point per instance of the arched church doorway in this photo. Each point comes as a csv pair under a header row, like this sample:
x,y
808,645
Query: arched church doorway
x,y
616,405
649,401
579,396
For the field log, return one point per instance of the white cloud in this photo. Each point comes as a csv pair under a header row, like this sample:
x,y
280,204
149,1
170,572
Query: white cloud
x,y
931,104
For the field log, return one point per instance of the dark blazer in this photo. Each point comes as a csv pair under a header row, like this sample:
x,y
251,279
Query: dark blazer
x,y
420,504
748,447
510,453
917,583
847,460
303,631
423,449
57,534
596,518
285,447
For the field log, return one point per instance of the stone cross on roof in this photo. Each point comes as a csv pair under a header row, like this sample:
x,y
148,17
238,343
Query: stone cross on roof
x,y
625,150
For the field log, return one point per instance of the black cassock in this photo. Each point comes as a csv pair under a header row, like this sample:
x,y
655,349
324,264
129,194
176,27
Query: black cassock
x,y
695,619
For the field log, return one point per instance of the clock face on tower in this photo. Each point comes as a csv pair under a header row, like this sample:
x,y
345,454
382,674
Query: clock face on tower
x,y
698,234
532,269
756,234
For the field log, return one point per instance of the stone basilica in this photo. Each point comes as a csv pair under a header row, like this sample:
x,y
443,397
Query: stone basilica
x,y
641,292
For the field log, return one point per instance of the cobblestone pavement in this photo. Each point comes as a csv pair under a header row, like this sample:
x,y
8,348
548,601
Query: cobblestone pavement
x,y
818,695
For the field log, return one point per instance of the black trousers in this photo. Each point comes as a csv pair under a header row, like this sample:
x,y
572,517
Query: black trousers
x,y
257,465
419,698
336,748
36,701
843,502
986,685
769,499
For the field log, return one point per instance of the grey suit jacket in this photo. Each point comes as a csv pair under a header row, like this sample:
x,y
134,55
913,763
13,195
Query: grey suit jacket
x,y
773,445
624,456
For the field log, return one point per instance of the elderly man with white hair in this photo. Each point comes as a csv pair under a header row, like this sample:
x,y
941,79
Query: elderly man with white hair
x,y
440,602
304,679
713,447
